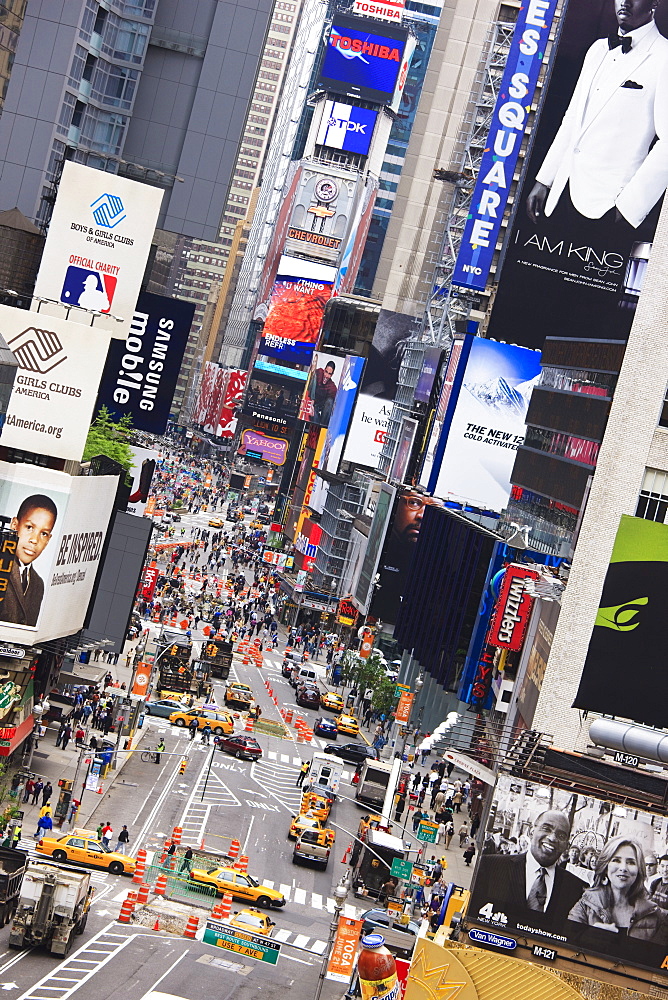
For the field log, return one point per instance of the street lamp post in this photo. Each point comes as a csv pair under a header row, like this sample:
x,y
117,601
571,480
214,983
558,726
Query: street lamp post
x,y
340,896
419,684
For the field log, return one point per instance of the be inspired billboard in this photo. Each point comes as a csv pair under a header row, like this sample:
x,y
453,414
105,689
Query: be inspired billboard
x,y
474,458
630,630
98,244
296,309
61,522
510,118
569,870
52,400
363,58
140,374
587,209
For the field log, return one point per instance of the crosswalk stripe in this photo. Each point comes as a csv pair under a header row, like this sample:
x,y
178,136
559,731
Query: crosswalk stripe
x,y
316,901
300,941
268,882
318,947
330,904
272,755
283,935
285,759
300,897
285,889
296,761
350,911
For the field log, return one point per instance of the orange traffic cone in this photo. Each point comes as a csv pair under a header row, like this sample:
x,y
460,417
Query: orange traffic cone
x,y
126,911
142,895
235,847
160,886
344,859
156,925
191,927
249,725
140,867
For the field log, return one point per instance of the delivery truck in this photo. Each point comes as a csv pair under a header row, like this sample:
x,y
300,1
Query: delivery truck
x,y
53,907
374,861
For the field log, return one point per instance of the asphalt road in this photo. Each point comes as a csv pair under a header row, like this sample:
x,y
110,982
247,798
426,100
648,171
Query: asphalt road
x,y
250,801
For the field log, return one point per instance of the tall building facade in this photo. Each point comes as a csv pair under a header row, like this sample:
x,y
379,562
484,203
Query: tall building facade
x,y
158,91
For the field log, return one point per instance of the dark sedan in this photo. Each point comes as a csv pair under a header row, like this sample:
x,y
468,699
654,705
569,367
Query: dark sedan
x,y
241,746
326,727
308,697
355,753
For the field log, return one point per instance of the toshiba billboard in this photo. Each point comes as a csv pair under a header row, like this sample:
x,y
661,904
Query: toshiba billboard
x,y
363,58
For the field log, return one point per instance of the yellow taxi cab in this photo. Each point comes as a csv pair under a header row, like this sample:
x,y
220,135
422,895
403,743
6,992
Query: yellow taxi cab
x,y
239,884
316,804
304,821
348,724
253,921
216,522
83,847
257,525
332,701
221,723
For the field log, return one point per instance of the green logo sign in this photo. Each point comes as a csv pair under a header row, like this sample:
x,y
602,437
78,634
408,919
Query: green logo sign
x,y
399,689
401,869
262,949
620,618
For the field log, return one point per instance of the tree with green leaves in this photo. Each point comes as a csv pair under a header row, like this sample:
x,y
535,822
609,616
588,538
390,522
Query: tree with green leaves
x,y
369,674
111,438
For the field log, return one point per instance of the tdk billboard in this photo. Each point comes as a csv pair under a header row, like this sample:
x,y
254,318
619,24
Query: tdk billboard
x,y
363,58
347,127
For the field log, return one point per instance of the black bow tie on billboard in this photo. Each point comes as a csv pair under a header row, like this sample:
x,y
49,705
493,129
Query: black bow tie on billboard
x,y
614,40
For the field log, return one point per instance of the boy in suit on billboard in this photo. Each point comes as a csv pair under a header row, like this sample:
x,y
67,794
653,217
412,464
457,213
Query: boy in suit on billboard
x,y
34,524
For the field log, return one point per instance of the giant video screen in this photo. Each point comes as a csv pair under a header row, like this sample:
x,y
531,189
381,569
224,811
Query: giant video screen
x,y
574,870
363,58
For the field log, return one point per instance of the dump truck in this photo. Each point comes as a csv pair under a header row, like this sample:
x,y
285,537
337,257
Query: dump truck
x,y
13,864
53,907
239,696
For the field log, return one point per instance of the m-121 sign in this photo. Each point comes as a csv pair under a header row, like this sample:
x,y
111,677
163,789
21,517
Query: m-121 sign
x,y
511,615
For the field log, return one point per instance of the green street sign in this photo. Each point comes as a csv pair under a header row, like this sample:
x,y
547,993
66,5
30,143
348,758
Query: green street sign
x,y
401,869
399,688
262,949
427,831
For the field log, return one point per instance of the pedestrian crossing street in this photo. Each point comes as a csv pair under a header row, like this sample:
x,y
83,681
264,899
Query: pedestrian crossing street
x,y
30,848
285,758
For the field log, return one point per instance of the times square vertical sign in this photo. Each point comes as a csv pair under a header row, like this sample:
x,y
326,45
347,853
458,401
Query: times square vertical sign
x,y
509,121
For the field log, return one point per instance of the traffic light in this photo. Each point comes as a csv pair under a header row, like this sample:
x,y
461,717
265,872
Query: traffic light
x,y
174,651
183,765
212,650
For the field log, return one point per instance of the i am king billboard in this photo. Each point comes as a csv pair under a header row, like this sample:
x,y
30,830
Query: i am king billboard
x,y
346,127
363,59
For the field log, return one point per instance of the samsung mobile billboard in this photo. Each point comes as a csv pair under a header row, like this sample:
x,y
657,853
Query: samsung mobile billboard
x,y
140,374
569,869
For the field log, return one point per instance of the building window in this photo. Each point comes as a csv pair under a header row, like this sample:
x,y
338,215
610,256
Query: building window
x,y
653,499
663,419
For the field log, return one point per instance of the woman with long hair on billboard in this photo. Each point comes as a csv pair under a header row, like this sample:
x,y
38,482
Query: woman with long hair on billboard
x,y
618,900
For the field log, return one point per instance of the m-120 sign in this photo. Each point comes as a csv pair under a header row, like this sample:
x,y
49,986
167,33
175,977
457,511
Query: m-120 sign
x,y
513,608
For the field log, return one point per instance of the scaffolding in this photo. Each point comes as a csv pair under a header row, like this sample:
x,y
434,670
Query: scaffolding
x,y
446,306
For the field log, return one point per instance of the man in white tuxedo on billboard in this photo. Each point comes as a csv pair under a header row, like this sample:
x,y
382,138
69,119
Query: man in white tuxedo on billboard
x,y
609,158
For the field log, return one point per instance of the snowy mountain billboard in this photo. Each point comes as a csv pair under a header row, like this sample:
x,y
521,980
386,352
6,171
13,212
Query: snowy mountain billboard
x,y
484,425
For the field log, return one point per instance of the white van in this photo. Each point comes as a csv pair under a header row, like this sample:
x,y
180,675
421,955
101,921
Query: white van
x,y
303,675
